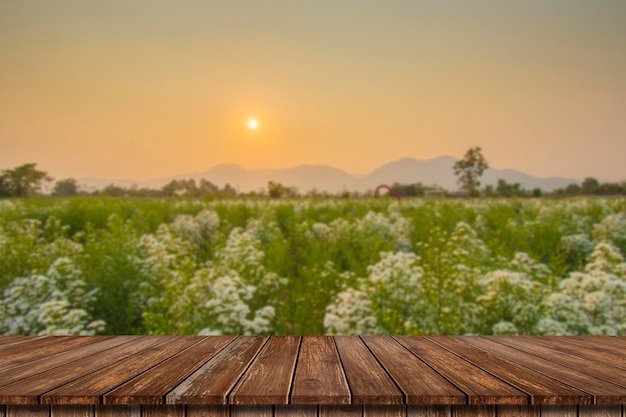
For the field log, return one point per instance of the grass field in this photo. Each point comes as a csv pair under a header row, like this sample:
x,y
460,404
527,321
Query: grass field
x,y
123,266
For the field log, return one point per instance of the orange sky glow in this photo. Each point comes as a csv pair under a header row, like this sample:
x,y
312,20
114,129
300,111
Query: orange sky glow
x,y
146,89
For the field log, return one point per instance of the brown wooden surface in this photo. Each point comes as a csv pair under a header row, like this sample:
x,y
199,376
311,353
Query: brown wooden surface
x,y
152,386
419,382
29,390
480,386
268,380
314,375
311,411
319,377
368,381
90,388
542,389
603,391
212,382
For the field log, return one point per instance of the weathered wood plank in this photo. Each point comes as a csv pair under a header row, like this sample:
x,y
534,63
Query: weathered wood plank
x,y
118,411
201,410
599,343
152,386
419,382
252,411
429,411
13,355
162,411
559,411
600,411
27,391
295,410
90,388
616,342
473,411
480,386
606,357
319,376
268,379
341,410
602,391
368,381
586,365
213,381
72,411
25,370
370,410
542,389
14,340
518,410
28,411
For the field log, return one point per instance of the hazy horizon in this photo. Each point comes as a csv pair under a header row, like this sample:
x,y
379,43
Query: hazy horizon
x,y
149,89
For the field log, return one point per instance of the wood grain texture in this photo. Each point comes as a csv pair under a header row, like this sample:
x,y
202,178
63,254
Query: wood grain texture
x,y
384,410
72,411
518,410
90,388
118,411
213,381
268,379
580,363
28,411
600,411
473,411
604,356
542,389
27,391
319,376
252,411
295,410
559,411
480,386
197,410
10,340
13,374
603,392
340,411
313,375
369,383
16,354
152,386
429,411
419,382
162,411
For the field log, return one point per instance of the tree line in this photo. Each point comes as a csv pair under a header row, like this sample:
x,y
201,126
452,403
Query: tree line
x,y
26,181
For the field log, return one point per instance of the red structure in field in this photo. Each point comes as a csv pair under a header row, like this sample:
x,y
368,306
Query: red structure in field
x,y
388,188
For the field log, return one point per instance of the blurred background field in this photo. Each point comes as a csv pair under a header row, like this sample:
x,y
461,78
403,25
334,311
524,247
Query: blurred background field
x,y
336,266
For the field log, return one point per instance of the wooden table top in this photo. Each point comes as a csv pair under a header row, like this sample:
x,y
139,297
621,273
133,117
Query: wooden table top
x,y
312,370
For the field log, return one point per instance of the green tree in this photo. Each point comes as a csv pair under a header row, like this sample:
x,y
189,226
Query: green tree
x,y
470,169
590,185
275,189
22,181
65,188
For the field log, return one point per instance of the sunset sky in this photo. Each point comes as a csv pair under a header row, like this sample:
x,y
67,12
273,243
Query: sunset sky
x,y
145,89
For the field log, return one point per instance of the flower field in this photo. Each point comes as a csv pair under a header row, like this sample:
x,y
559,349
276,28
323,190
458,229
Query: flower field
x,y
123,266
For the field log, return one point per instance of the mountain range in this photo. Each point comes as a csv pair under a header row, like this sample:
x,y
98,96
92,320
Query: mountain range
x,y
435,172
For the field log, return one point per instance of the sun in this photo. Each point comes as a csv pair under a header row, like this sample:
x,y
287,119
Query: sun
x,y
253,124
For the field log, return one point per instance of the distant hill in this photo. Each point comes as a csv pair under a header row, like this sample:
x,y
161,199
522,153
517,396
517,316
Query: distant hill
x,y
437,172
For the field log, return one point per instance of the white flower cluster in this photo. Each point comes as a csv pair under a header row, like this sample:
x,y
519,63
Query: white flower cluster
x,y
593,301
50,304
240,292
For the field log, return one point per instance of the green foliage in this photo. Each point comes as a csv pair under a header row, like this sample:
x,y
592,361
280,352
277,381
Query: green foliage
x,y
22,181
470,169
146,266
